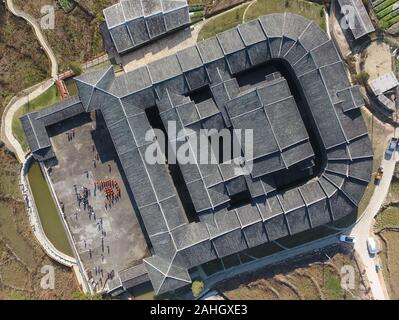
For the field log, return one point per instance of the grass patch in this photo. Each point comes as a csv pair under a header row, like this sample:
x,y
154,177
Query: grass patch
x,y
67,5
389,218
49,97
234,17
222,23
72,87
332,287
309,10
390,262
309,274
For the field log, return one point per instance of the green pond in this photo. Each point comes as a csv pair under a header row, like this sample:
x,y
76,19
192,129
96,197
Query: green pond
x,y
49,217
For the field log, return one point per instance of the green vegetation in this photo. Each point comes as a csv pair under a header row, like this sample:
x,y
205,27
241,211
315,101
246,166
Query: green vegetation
x,y
307,9
234,17
76,67
22,61
362,78
86,296
67,5
389,218
49,217
222,23
71,86
384,4
332,285
49,97
197,287
196,8
76,36
386,13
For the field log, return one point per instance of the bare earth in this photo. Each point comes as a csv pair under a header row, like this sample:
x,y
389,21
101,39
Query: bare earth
x,y
378,61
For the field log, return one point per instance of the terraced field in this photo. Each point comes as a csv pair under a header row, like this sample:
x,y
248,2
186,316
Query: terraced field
x,y
313,277
387,11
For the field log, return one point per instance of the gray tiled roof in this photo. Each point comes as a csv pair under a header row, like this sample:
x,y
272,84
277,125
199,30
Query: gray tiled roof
x,y
282,144
35,124
133,23
362,24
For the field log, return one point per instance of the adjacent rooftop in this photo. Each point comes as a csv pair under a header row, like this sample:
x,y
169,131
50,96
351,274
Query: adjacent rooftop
x,y
133,23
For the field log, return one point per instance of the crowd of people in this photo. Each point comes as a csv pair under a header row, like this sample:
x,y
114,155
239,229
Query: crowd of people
x,y
111,189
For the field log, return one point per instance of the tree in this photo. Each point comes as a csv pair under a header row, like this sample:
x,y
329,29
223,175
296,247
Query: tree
x,y
75,67
197,287
362,78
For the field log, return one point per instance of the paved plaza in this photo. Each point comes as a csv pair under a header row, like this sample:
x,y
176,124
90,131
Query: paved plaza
x,y
110,237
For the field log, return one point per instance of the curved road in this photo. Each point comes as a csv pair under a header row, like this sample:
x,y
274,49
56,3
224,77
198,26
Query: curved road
x,y
16,103
363,229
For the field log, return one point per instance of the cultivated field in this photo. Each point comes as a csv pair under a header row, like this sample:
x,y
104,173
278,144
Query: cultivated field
x,y
314,277
387,11
387,228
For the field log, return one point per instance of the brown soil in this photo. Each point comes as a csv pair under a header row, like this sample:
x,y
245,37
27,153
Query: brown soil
x,y
311,277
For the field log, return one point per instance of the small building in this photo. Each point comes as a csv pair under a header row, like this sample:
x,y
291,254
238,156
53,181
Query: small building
x,y
133,23
361,24
384,83
388,105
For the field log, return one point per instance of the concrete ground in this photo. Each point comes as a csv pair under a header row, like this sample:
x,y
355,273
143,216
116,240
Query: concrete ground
x,y
378,59
161,48
110,239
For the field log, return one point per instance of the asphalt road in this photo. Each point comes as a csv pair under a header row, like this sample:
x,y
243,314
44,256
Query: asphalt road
x,y
362,230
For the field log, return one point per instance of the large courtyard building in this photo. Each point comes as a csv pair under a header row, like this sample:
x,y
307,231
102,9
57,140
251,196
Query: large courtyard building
x,y
279,75
133,23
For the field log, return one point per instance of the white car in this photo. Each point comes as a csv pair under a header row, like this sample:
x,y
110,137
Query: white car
x,y
347,239
371,246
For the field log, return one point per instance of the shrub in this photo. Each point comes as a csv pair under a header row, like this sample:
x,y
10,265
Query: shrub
x,y
197,287
75,67
362,78
86,296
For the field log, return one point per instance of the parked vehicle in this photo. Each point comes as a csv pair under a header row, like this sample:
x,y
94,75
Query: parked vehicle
x,y
347,239
371,246
391,148
378,176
